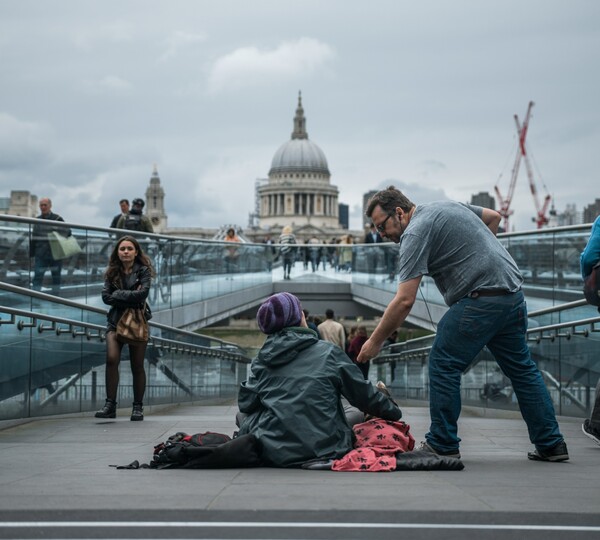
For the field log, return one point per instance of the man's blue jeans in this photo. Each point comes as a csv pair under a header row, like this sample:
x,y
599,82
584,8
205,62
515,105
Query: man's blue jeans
x,y
500,322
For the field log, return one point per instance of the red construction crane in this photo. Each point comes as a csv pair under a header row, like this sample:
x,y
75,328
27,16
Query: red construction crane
x,y
541,209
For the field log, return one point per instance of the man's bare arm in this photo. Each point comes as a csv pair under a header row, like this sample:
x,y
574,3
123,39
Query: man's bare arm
x,y
491,218
395,314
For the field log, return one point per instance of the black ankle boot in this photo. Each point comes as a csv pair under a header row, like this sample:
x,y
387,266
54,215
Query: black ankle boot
x,y
109,410
137,413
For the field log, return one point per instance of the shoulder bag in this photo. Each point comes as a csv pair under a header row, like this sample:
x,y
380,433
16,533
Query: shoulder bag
x,y
132,327
62,247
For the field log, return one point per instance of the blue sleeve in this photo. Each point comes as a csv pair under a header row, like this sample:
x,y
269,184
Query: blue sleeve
x,y
591,254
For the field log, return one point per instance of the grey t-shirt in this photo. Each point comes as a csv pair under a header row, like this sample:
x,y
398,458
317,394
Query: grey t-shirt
x,y
448,241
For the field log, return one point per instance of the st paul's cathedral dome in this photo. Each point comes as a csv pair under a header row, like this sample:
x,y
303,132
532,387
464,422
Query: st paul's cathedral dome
x,y
298,192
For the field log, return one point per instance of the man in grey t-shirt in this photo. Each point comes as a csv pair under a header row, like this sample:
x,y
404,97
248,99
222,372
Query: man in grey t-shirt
x,y
455,244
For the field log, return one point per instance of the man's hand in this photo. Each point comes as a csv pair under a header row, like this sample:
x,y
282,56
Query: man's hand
x,y
368,350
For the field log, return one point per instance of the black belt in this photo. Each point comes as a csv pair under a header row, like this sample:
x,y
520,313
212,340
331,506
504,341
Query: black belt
x,y
489,292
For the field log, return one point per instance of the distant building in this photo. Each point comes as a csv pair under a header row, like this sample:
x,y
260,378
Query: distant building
x,y
570,216
20,203
344,213
366,197
483,199
299,192
591,212
155,204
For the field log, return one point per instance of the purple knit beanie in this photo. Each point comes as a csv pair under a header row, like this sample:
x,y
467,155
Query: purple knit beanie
x,y
278,312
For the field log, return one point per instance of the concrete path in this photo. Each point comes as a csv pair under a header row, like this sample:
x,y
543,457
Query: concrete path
x,y
56,482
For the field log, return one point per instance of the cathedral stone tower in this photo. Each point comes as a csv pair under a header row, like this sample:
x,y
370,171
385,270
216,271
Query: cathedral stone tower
x,y
298,192
155,203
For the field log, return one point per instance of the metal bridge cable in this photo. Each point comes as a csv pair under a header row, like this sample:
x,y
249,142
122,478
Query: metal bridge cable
x,y
535,165
511,153
433,325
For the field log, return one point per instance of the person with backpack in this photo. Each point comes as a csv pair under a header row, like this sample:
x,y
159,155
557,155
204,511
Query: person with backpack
x,y
135,220
127,281
590,257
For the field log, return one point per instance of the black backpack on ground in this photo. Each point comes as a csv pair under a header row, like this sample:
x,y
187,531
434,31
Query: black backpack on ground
x,y
206,451
203,451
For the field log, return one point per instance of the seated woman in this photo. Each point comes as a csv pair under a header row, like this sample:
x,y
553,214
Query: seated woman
x,y
293,397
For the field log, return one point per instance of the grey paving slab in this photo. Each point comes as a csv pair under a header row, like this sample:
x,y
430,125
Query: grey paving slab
x,y
63,464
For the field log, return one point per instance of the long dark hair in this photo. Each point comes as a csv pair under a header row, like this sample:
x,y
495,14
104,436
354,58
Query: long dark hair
x,y
115,266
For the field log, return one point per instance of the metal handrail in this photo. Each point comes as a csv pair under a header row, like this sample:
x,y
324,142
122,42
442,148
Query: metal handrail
x,y
556,309
156,341
33,221
592,321
113,232
70,303
387,354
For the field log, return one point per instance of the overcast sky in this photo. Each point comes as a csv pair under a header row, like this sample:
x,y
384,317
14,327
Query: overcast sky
x,y
418,94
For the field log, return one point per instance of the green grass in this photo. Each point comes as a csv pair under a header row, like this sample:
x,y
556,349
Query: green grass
x,y
251,340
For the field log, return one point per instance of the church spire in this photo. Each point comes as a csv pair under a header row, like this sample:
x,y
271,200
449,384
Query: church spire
x,y
299,121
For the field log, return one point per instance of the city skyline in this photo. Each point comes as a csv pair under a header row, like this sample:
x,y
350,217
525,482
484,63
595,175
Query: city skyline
x,y
419,96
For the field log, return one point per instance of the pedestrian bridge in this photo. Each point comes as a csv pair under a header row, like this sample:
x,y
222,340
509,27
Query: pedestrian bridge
x,y
55,475
53,350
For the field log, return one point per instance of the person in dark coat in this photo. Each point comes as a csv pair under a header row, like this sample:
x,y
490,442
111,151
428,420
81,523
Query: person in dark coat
x,y
127,282
124,204
40,250
135,220
292,400
356,343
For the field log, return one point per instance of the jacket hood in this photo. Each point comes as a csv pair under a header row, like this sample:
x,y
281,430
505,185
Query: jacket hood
x,y
283,347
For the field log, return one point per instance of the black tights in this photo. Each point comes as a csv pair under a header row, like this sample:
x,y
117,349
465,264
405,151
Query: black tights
x,y
113,358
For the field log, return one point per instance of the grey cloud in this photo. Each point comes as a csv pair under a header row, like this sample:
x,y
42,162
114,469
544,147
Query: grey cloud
x,y
422,92
23,145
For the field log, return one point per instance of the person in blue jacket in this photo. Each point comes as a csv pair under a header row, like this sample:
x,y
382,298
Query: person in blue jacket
x,y
589,257
292,401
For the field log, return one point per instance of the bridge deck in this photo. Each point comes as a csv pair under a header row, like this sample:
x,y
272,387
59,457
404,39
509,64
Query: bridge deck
x,y
57,469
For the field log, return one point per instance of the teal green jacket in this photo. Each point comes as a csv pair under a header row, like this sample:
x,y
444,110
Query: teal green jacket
x,y
293,399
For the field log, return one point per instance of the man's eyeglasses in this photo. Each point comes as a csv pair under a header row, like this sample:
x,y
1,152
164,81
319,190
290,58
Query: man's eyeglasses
x,y
381,226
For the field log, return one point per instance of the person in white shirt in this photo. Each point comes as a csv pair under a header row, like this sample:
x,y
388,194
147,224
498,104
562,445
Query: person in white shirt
x,y
332,331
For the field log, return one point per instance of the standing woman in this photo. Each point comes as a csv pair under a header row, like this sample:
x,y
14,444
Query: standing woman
x,y
126,284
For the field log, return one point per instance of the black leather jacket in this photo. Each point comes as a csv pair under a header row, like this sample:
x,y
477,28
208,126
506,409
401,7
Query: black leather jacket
x,y
133,293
